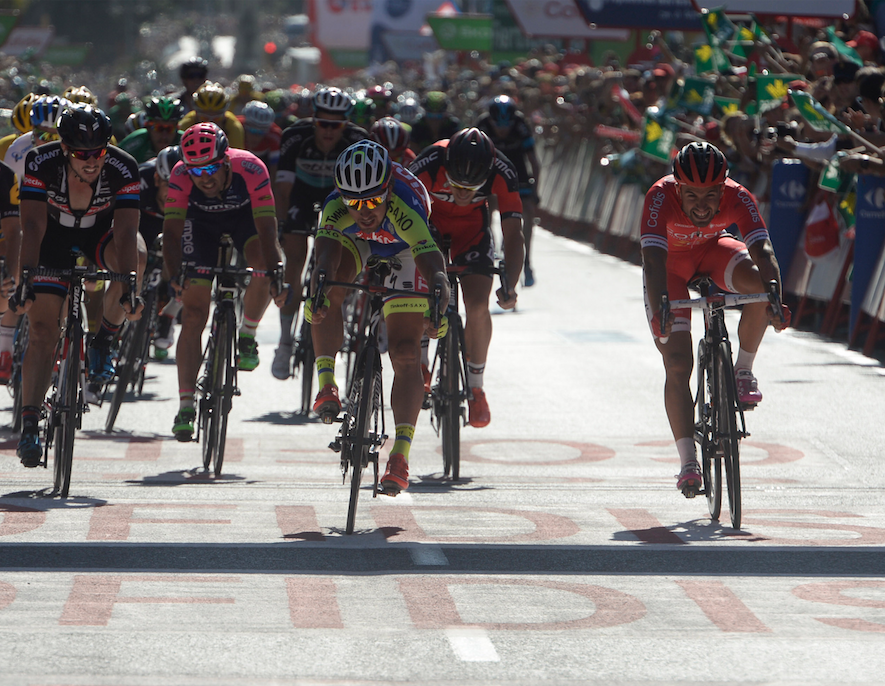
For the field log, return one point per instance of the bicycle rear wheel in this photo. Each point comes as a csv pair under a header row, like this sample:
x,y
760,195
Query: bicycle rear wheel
x,y
704,433
18,356
306,359
727,431
359,418
450,405
226,394
131,347
67,414
217,401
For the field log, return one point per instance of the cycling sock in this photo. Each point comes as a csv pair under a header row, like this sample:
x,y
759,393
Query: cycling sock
x,y
286,334
403,442
106,335
326,371
474,374
7,338
687,451
425,351
744,360
185,398
249,327
30,418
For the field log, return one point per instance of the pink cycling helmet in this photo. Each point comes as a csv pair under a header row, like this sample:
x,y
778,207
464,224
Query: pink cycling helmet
x,y
202,144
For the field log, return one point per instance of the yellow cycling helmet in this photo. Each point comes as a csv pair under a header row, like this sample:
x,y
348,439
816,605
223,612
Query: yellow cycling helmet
x,y
21,113
211,98
81,94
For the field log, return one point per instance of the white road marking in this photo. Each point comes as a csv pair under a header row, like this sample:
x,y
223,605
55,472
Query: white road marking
x,y
472,645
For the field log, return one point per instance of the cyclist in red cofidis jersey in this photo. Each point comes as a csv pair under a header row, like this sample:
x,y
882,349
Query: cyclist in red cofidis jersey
x,y
685,234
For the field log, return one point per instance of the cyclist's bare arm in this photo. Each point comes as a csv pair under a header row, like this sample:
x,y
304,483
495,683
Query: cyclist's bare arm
x,y
762,254
514,256
281,190
12,235
33,220
328,259
432,266
172,230
654,269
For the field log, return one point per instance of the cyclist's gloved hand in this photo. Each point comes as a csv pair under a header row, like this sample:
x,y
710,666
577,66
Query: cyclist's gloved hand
x,y
443,325
22,298
308,308
127,306
776,321
658,330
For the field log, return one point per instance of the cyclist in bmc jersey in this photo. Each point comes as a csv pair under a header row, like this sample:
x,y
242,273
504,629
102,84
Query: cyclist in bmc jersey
x,y
216,190
512,135
684,234
79,192
461,174
305,177
378,208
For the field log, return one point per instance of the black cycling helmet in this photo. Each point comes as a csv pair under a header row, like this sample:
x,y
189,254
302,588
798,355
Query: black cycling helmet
x,y
84,127
502,110
164,109
701,165
194,66
470,155
167,158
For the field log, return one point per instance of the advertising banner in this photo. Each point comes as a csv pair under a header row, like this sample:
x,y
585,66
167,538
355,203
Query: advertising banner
x,y
792,8
869,236
665,15
463,32
342,24
558,19
789,187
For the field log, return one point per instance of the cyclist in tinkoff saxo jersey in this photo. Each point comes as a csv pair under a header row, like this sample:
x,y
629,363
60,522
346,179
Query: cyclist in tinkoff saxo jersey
x,y
685,224
216,190
378,208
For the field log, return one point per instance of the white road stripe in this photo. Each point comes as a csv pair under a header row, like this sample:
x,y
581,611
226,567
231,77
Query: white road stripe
x,y
472,645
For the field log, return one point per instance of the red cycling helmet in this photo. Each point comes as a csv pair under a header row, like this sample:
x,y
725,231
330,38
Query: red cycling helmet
x,y
203,144
391,134
701,165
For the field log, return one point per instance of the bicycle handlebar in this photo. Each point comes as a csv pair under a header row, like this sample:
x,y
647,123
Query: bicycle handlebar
x,y
723,300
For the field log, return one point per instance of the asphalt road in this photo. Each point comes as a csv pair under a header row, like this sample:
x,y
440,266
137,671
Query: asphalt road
x,y
565,555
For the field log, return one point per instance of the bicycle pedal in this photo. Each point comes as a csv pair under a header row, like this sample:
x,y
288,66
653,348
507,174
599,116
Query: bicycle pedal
x,y
690,491
335,445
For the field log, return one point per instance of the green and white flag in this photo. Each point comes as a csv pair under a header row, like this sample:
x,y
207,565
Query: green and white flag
x,y
833,179
771,90
815,114
658,138
842,47
698,95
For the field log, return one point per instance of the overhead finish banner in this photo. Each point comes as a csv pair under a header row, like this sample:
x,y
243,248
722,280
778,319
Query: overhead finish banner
x,y
665,15
558,19
833,9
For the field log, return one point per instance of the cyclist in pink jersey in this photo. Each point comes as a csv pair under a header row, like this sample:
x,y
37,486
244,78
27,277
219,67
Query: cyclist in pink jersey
x,y
685,224
216,190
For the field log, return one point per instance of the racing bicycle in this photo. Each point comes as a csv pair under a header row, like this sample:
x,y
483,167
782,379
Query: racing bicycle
x,y
720,423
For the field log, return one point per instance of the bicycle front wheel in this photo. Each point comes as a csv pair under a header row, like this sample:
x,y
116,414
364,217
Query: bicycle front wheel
x,y
704,434
18,356
450,409
360,424
727,431
307,360
67,415
218,399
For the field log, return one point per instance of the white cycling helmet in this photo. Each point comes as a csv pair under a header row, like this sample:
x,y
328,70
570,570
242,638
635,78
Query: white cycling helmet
x,y
363,170
258,115
332,100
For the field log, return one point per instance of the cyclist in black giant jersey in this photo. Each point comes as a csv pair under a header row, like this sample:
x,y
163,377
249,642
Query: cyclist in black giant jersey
x,y
305,176
512,135
79,192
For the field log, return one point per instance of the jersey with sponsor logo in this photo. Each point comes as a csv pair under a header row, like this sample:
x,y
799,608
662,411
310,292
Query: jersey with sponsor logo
x,y
268,148
467,223
248,193
151,223
404,225
515,144
46,180
310,170
17,153
665,225
8,192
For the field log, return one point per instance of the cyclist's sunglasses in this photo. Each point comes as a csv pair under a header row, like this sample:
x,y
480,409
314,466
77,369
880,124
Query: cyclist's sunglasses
x,y
164,127
47,136
333,124
97,154
371,203
464,187
255,131
206,170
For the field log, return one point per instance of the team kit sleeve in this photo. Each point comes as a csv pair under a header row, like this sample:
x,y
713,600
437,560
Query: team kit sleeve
x,y
180,186
129,193
749,219
257,178
505,186
9,200
653,229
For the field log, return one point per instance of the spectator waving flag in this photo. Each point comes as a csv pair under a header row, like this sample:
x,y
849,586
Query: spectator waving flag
x,y
658,136
815,115
842,48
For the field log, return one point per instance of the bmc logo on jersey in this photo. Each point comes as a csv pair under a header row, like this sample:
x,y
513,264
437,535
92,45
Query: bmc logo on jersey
x,y
506,170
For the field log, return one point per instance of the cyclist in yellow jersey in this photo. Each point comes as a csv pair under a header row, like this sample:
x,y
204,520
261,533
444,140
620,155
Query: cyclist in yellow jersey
x,y
21,120
211,105
378,208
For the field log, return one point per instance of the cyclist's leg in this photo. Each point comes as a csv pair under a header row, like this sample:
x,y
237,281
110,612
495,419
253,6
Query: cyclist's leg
x,y
195,301
37,367
295,248
404,332
328,335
